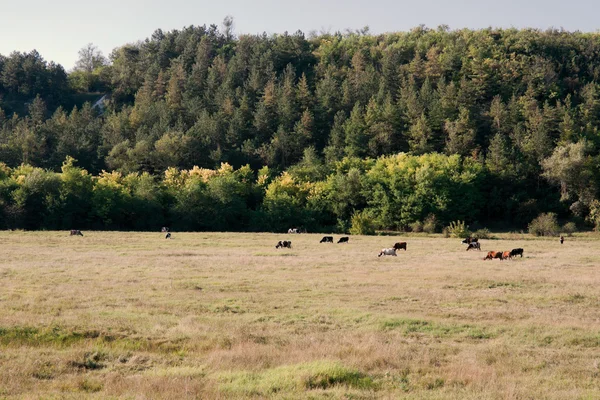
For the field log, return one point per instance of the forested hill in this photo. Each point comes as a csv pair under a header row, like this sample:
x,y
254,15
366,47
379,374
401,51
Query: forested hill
x,y
520,107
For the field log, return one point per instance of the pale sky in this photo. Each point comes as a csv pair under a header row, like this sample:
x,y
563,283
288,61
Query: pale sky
x,y
59,28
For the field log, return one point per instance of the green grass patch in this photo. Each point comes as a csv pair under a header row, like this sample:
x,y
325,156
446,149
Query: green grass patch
x,y
416,326
260,254
294,378
61,338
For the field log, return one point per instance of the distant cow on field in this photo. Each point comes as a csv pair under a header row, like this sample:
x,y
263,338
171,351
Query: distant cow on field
x,y
168,235
470,240
516,252
474,246
293,230
164,229
400,245
493,254
387,252
344,239
327,239
76,232
284,244
506,255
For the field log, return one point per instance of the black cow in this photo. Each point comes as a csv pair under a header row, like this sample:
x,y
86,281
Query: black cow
x,y
344,239
474,246
284,244
470,240
400,245
168,236
327,239
516,252
76,232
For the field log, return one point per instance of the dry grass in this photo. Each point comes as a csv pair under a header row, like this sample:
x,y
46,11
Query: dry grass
x,y
131,315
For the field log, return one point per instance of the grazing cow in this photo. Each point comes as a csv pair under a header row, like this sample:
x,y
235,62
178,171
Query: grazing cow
x,y
164,229
76,232
327,239
562,240
400,245
470,240
344,239
506,255
293,230
493,254
516,252
168,236
387,252
284,244
474,246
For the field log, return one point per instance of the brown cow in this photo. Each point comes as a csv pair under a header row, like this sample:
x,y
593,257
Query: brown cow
x,y
400,245
506,255
493,254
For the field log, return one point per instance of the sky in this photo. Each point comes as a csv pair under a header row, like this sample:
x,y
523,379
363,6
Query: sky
x,y
58,29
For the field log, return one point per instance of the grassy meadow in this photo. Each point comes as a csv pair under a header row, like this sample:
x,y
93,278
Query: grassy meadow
x,y
226,315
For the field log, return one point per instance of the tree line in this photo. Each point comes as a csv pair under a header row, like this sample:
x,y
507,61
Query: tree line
x,y
492,126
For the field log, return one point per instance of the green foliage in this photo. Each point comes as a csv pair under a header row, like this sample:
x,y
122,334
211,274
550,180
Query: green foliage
x,y
544,225
483,233
458,229
431,224
338,112
594,215
569,228
416,226
362,224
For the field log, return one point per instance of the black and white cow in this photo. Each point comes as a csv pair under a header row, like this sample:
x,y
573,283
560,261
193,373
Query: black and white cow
x,y
387,252
284,244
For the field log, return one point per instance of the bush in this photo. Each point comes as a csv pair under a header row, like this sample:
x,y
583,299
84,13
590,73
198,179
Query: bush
x,y
569,228
458,229
416,226
483,233
361,224
342,226
544,225
431,224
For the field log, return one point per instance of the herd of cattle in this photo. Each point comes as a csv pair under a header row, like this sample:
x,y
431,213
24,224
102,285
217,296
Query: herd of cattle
x,y
472,244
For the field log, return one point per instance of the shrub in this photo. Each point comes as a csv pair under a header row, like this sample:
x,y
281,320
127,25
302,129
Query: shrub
x,y
483,233
458,229
594,216
342,226
361,224
431,224
544,225
416,226
569,228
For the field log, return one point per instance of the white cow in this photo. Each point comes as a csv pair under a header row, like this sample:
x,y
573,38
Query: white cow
x,y
293,230
387,252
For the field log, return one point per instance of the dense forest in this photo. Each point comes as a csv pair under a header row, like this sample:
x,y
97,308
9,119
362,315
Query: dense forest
x,y
202,129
